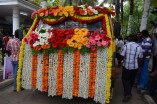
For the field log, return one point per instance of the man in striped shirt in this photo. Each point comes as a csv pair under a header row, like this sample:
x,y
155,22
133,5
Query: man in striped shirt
x,y
13,46
143,73
131,53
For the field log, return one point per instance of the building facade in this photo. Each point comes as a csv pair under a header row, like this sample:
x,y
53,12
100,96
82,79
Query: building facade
x,y
14,13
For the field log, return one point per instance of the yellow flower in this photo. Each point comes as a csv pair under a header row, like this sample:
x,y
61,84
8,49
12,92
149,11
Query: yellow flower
x,y
75,45
79,45
76,30
60,13
56,12
65,13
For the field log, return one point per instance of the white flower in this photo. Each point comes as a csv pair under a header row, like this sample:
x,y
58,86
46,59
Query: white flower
x,y
36,43
95,12
82,6
85,12
42,41
90,7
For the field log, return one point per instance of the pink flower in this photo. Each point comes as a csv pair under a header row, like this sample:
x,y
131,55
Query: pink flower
x,y
28,39
34,13
92,41
93,48
46,13
88,45
97,37
49,31
99,43
104,43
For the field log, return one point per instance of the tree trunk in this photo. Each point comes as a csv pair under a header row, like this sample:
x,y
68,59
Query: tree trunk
x,y
145,15
129,24
122,10
131,7
117,9
130,16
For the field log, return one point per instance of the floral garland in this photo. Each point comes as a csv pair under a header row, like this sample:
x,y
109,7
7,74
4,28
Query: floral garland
x,y
53,58
76,67
53,21
92,74
39,72
84,14
77,18
101,71
34,70
45,68
27,67
109,64
68,75
84,75
59,80
21,54
68,11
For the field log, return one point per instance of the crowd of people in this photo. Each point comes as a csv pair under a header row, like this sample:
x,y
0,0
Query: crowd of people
x,y
133,53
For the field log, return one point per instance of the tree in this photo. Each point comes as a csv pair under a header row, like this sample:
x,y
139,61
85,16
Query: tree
x,y
145,14
130,16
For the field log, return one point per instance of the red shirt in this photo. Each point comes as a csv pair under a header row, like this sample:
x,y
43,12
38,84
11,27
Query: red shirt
x,y
14,46
5,40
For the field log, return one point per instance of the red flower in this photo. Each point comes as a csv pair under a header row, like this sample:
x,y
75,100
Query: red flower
x,y
60,37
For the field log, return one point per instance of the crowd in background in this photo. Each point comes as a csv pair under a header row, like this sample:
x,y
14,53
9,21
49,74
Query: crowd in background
x,y
133,53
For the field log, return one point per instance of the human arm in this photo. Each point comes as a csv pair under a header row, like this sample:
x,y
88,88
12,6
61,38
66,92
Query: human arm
x,y
123,52
151,33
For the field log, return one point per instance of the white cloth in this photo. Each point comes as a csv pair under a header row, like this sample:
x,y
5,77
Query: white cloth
x,y
120,44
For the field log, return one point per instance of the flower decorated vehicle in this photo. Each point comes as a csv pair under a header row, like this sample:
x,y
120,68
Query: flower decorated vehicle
x,y
68,51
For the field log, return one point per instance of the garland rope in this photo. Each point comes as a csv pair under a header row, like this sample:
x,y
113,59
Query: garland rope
x,y
21,56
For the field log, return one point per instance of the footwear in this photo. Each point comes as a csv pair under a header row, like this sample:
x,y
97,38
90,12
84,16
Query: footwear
x,y
22,89
126,98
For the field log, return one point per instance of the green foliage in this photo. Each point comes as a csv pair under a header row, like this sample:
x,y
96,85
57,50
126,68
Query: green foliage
x,y
68,49
84,50
135,23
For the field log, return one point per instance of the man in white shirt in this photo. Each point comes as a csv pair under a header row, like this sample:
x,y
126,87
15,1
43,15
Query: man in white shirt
x,y
119,46
131,53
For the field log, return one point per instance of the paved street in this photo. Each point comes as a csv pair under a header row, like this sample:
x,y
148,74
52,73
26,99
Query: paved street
x,y
7,96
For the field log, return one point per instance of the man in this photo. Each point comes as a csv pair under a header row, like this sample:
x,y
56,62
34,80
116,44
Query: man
x,y
119,46
153,75
131,54
143,73
13,45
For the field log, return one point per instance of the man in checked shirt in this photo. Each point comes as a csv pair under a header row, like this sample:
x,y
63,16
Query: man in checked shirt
x,y
13,46
131,54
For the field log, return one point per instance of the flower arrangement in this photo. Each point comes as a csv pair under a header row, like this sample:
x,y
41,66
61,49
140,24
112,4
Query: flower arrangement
x,y
67,39
79,38
88,76
69,11
60,37
98,39
86,10
39,40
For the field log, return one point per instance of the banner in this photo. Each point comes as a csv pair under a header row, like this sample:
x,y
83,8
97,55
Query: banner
x,y
8,68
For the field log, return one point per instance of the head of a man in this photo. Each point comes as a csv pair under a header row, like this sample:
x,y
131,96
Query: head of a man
x,y
145,33
133,37
16,34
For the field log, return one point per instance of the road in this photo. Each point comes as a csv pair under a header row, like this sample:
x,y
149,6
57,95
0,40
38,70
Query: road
x,y
7,96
